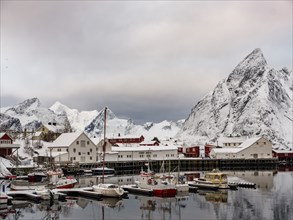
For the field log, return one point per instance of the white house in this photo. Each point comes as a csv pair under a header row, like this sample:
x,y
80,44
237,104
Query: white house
x,y
74,147
257,147
139,153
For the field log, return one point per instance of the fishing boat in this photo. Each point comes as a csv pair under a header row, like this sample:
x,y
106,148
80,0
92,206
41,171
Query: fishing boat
x,y
213,180
158,184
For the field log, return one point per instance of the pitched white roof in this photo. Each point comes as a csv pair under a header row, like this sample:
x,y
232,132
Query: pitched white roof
x,y
241,147
248,143
65,139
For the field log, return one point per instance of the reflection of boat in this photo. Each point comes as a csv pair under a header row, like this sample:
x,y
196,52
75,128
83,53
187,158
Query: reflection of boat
x,y
220,196
213,180
108,189
111,202
99,171
55,180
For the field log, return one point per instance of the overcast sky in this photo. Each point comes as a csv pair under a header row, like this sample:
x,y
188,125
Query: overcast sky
x,y
145,60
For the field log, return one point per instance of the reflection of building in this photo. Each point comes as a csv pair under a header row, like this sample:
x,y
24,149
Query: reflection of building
x,y
262,179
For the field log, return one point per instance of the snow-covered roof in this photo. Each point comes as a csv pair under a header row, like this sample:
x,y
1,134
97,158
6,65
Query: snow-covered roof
x,y
283,151
241,147
248,143
96,140
125,136
232,139
53,128
3,133
65,139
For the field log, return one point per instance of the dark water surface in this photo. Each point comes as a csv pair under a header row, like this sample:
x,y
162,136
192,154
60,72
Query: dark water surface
x,y
272,199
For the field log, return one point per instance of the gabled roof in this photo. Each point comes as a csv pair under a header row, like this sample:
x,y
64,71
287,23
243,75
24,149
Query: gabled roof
x,y
66,139
3,133
241,147
248,143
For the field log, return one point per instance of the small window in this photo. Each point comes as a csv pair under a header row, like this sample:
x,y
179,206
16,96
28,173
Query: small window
x,y
87,142
91,158
74,150
82,143
79,153
77,142
88,153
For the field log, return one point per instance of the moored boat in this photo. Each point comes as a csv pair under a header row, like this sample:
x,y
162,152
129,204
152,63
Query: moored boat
x,y
108,190
159,185
213,180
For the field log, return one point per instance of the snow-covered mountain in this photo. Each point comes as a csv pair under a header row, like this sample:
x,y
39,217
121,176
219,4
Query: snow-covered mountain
x,y
92,122
254,99
30,115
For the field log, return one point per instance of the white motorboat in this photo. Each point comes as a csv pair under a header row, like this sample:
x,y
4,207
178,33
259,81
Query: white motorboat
x,y
108,190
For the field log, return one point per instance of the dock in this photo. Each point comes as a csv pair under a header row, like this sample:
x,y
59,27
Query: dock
x,y
133,189
25,195
86,192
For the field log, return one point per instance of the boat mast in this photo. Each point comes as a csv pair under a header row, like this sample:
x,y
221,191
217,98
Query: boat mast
x,y
104,144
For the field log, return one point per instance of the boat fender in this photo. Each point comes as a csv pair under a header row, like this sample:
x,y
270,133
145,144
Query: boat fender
x,y
149,181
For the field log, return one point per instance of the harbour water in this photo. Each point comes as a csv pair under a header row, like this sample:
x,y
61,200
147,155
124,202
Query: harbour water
x,y
271,199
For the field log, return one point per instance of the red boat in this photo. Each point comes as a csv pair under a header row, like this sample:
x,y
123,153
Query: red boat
x,y
156,183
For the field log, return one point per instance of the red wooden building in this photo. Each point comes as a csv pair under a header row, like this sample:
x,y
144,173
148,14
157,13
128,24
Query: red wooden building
x,y
283,155
6,145
189,151
207,149
126,140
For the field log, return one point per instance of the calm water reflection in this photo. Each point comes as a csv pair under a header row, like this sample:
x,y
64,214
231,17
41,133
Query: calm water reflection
x,y
272,199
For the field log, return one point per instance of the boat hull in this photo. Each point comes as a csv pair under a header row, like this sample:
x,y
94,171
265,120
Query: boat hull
x,y
164,192
107,191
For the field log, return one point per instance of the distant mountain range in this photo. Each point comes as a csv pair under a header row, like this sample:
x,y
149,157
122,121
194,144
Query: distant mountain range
x,y
254,100
30,115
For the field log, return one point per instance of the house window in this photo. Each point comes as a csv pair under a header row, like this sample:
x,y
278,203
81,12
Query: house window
x,y
87,142
88,153
59,149
82,143
74,158
91,158
74,150
82,159
91,150
77,142
79,153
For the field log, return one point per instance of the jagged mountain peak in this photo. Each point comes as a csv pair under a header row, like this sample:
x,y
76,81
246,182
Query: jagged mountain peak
x,y
255,58
26,106
59,108
254,100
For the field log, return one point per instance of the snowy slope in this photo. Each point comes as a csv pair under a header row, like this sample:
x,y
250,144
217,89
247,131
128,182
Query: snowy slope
x,y
29,115
254,99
